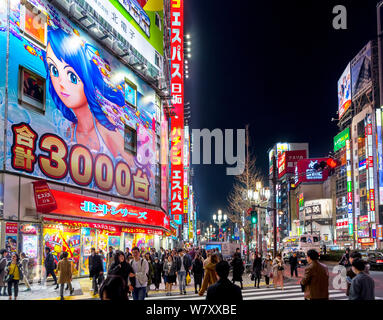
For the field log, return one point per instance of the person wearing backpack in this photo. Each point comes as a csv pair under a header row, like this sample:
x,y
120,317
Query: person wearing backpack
x,y
141,269
3,264
50,266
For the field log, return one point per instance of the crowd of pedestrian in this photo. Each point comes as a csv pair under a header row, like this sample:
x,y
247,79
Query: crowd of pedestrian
x,y
132,273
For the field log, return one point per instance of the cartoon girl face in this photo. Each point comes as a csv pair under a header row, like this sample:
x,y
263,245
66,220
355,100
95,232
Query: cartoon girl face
x,y
66,82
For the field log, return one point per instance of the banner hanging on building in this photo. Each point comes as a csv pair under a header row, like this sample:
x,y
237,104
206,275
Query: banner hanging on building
x,y
45,202
177,120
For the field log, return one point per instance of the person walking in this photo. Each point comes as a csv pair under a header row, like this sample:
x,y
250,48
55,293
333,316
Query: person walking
x,y
197,270
14,275
223,289
345,260
350,273
362,285
141,269
121,268
24,263
183,268
96,269
238,269
267,268
315,281
157,271
3,266
210,276
278,267
257,269
50,266
65,269
148,258
170,270
109,258
293,261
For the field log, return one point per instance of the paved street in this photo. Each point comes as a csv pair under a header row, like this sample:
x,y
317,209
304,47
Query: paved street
x,y
292,289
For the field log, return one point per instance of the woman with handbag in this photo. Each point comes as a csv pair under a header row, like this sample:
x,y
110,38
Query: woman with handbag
x,y
14,275
170,270
267,268
278,267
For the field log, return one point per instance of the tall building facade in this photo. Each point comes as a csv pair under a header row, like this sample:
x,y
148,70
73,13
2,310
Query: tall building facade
x,y
85,112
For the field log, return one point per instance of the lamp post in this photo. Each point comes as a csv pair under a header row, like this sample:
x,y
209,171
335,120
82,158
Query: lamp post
x,y
219,219
261,194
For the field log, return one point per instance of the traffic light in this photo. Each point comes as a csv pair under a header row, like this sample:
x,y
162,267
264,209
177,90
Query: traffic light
x,y
330,164
254,217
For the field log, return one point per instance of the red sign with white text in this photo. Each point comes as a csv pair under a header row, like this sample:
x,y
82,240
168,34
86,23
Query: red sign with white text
x,y
11,228
69,204
177,118
45,202
288,161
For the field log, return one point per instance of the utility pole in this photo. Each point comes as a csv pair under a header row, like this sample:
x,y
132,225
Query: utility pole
x,y
275,204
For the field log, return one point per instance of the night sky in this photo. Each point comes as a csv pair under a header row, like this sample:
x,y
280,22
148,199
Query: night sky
x,y
273,65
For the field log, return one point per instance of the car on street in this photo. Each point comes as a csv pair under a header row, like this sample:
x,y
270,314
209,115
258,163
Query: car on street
x,y
373,258
302,261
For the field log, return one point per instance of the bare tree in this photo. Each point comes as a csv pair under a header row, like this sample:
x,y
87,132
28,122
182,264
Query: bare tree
x,y
238,202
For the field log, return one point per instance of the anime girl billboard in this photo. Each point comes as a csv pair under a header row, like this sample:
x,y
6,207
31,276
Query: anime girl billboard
x,y
80,137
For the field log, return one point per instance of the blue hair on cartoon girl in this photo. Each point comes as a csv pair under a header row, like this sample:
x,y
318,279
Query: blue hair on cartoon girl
x,y
74,54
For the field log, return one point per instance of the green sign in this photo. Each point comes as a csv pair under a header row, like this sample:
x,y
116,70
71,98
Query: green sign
x,y
341,138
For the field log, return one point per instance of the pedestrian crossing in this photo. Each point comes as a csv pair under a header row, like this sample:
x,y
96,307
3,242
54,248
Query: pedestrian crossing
x,y
290,292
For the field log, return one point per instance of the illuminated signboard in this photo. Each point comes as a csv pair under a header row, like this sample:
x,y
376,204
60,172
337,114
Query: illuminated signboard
x,y
69,204
349,187
370,169
288,160
344,91
74,146
340,139
380,153
177,120
363,228
305,172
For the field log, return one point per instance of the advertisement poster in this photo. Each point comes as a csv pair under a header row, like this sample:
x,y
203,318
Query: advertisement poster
x,y
52,141
129,239
361,70
30,246
52,238
102,244
71,244
114,241
88,241
344,91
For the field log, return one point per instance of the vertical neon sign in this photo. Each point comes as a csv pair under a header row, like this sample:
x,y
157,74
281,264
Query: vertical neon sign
x,y
370,169
177,120
349,187
379,153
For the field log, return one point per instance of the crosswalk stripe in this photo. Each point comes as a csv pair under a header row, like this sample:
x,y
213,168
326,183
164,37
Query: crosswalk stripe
x,y
330,297
280,295
269,293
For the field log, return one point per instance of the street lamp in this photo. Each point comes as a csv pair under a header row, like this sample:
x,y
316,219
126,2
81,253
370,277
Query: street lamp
x,y
259,195
220,219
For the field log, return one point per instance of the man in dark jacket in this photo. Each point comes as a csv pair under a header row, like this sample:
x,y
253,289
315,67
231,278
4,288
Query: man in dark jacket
x,y
183,264
96,269
350,273
223,290
362,286
345,260
293,265
49,264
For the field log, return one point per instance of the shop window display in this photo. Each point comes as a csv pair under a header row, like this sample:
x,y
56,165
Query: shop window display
x,y
88,241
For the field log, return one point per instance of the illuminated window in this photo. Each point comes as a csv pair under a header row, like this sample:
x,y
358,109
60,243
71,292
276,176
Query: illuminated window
x,y
130,140
31,89
130,93
33,23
